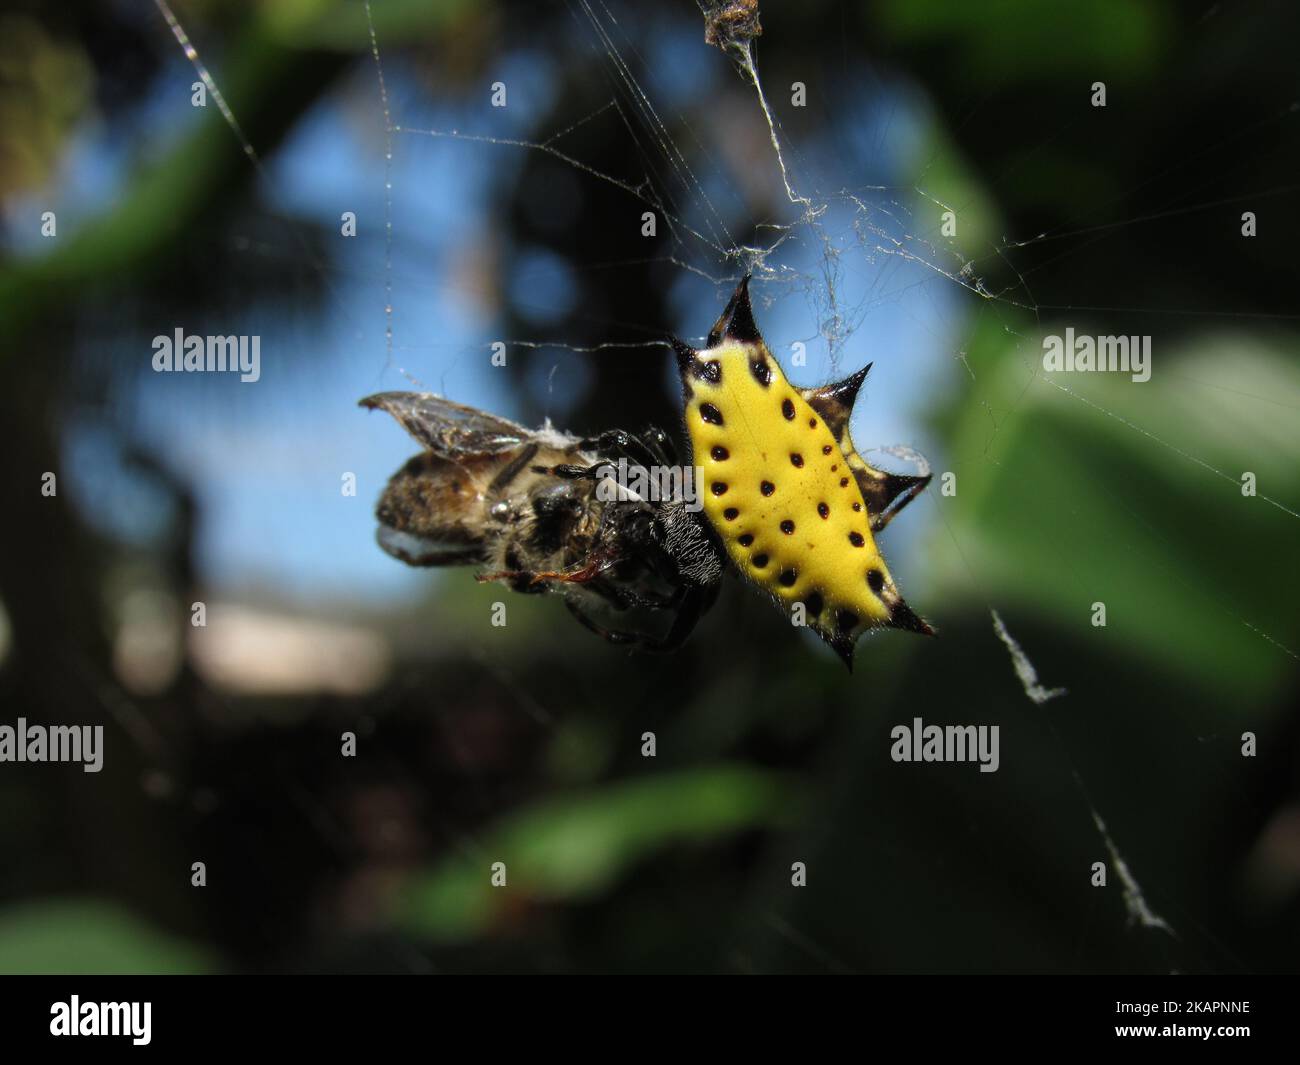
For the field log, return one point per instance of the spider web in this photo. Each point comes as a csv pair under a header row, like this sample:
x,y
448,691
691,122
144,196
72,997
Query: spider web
x,y
828,229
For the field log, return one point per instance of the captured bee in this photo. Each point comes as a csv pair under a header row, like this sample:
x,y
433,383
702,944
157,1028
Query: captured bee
x,y
793,503
542,510
786,500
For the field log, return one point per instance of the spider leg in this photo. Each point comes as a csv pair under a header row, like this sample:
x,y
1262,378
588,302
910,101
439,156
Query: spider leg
x,y
661,444
694,604
621,442
879,521
691,605
654,602
612,635
652,448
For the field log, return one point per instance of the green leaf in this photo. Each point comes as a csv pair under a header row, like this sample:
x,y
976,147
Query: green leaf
x,y
87,936
577,846
1130,494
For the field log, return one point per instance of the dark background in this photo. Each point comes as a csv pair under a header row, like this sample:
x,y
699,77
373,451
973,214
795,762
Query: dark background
x,y
523,744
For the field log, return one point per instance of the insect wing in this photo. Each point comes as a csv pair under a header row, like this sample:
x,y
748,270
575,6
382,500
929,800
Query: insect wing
x,y
450,430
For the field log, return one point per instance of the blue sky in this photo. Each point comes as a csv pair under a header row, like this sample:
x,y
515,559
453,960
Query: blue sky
x,y
269,457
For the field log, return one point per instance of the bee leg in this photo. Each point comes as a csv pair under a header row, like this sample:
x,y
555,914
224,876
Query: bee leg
x,y
598,560
523,580
588,571
520,580
612,635
570,472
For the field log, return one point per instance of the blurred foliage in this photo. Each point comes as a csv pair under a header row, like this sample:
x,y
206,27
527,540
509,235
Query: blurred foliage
x,y
44,90
1007,43
84,937
1179,559
569,849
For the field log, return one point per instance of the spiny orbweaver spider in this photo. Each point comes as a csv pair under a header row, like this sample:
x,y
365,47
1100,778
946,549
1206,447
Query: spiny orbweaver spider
x,y
785,499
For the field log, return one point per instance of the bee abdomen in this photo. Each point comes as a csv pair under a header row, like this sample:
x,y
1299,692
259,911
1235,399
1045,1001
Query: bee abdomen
x,y
431,514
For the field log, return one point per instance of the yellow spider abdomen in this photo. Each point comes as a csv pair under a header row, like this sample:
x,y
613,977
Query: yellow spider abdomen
x,y
778,487
780,493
